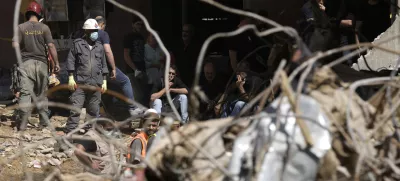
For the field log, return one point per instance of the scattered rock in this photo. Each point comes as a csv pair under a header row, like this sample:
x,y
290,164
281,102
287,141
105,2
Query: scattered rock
x,y
31,154
35,164
51,143
54,162
46,131
27,136
48,155
41,147
8,149
70,152
47,150
33,121
59,155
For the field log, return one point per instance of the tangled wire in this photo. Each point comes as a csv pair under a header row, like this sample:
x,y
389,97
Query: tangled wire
x,y
280,79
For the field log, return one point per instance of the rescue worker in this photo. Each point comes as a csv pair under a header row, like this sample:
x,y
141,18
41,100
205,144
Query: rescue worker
x,y
33,72
87,65
97,146
138,146
117,76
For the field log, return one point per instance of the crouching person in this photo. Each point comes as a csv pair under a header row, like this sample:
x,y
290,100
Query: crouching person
x,y
178,92
86,65
96,146
138,146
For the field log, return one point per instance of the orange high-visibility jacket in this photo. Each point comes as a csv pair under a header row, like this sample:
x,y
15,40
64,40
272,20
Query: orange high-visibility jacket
x,y
143,139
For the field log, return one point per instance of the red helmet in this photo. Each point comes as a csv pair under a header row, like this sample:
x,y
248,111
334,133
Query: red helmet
x,y
34,7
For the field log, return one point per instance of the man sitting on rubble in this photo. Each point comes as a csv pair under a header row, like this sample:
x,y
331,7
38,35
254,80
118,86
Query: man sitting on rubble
x,y
178,92
87,65
138,146
97,147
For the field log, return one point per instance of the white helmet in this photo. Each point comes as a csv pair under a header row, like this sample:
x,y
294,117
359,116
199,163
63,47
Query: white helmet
x,y
90,24
150,111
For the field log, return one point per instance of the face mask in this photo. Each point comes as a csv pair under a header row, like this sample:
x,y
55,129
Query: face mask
x,y
94,36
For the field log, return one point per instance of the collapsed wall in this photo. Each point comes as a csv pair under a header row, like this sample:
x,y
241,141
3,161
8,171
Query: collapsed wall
x,y
378,60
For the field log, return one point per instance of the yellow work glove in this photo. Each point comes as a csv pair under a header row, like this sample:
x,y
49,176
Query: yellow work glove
x,y
71,83
104,86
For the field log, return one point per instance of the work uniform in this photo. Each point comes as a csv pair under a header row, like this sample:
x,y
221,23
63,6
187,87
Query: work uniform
x,y
88,65
33,72
138,146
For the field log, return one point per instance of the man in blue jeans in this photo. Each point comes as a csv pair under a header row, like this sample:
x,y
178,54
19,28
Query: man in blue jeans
x,y
243,89
178,92
117,76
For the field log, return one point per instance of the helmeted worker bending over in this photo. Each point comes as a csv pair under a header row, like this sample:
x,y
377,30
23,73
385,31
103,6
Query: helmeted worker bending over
x,y
34,74
86,65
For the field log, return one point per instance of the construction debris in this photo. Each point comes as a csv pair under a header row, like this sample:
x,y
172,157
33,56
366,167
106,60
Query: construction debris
x,y
322,132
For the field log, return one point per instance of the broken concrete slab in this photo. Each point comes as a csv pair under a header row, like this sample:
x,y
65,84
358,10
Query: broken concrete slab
x,y
378,60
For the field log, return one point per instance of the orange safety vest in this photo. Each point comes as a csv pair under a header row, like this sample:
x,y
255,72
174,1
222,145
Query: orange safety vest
x,y
142,136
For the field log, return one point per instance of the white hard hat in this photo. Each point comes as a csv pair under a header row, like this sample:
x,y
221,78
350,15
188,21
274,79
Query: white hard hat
x,y
150,111
90,24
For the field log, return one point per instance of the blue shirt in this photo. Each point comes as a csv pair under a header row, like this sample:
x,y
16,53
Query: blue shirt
x,y
103,37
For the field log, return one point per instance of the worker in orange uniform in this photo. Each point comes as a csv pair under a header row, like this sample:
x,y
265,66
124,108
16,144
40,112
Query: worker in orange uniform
x,y
138,146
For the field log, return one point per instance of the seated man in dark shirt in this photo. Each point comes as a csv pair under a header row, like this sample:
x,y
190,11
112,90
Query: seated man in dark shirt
x,y
213,86
245,86
178,92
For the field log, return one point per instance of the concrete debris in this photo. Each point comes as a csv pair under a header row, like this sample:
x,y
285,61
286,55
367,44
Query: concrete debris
x,y
47,150
54,162
9,149
82,177
35,164
31,154
377,59
343,129
27,137
59,155
33,121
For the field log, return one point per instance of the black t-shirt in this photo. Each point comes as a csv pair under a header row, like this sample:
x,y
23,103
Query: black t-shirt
x,y
244,44
135,43
186,60
157,87
375,18
213,89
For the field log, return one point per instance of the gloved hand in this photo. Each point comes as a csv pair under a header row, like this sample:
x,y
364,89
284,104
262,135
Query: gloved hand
x,y
71,83
104,87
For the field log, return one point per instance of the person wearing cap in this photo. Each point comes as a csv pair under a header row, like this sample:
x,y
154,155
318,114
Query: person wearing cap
x,y
138,146
117,77
34,76
86,65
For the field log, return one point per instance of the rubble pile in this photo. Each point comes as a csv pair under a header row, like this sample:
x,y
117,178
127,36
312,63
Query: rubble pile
x,y
351,140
